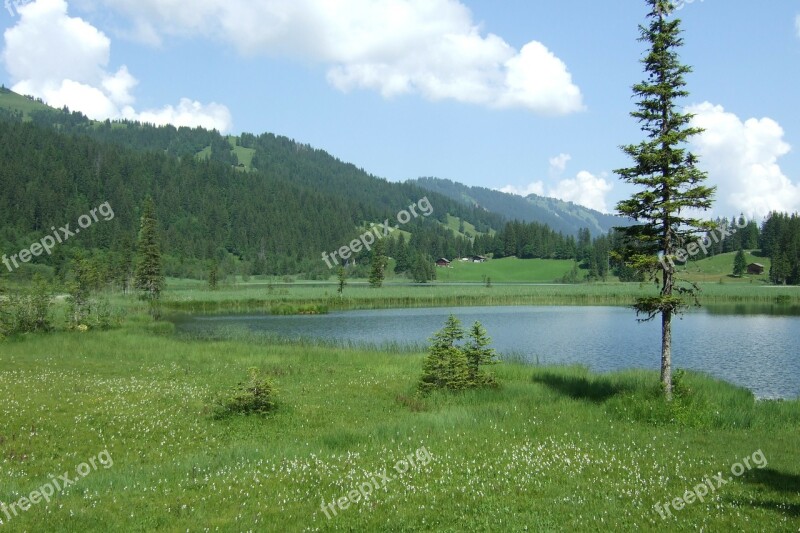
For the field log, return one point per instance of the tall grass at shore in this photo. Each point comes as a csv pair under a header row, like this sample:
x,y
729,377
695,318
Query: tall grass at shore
x,y
262,297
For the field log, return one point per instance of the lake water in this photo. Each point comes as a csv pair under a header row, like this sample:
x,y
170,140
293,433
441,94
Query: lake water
x,y
753,347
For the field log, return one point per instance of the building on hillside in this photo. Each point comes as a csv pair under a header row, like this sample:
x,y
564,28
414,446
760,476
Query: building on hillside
x,y
442,262
479,258
755,269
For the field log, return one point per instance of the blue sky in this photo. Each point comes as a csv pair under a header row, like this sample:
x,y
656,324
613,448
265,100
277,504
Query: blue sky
x,y
517,95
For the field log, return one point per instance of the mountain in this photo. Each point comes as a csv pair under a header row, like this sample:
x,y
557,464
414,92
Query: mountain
x,y
264,204
564,217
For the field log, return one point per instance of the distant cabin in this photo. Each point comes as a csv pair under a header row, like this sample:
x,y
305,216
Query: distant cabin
x,y
478,259
755,268
442,262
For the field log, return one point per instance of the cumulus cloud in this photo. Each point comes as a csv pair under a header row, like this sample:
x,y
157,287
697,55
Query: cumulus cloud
x,y
741,158
427,47
187,113
585,189
64,61
536,187
558,164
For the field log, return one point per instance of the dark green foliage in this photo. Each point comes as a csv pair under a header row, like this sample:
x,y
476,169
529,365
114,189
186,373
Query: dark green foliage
x,y
280,217
527,241
213,274
378,264
402,256
739,264
342,278
780,241
256,395
424,269
479,354
149,277
665,172
452,367
84,282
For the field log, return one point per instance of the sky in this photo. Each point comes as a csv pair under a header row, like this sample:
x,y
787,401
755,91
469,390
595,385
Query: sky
x,y
522,96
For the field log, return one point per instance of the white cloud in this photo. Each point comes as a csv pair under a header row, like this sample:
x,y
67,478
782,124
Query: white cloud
x,y
585,189
64,61
427,47
558,164
188,113
537,187
741,158
797,25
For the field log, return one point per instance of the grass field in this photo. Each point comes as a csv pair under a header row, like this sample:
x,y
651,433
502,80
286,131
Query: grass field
x,y
554,449
245,155
720,267
509,269
10,100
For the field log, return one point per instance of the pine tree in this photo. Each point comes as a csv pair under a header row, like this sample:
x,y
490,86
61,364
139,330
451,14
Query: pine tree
x,y
780,270
443,367
672,185
342,280
149,277
378,265
402,256
423,270
478,354
739,263
80,291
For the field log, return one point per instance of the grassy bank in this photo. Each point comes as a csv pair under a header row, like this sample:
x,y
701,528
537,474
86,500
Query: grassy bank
x,y
553,449
260,295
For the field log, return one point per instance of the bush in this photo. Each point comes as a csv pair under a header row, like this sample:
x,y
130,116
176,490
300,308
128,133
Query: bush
x,y
28,312
253,396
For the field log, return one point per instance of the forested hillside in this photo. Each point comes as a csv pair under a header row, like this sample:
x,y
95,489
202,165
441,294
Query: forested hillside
x,y
276,219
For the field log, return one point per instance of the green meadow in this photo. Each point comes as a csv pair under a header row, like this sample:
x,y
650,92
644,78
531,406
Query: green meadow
x,y
14,101
510,269
552,449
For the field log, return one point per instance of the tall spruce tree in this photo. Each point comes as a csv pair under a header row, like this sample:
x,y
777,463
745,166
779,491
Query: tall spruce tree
x,y
377,271
671,185
149,277
739,264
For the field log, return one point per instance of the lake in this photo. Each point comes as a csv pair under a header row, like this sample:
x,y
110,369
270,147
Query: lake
x,y
756,347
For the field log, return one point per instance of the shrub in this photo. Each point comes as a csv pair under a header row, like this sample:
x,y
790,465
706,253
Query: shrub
x,y
253,396
28,312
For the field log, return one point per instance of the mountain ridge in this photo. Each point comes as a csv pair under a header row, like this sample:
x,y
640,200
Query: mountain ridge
x,y
565,217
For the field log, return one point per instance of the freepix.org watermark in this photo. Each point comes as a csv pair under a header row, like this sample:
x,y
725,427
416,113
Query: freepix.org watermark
x,y
419,458
715,236
701,490
55,486
367,239
48,242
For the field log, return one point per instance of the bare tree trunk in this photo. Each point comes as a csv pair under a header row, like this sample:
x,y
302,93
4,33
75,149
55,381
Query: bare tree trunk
x,y
666,353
